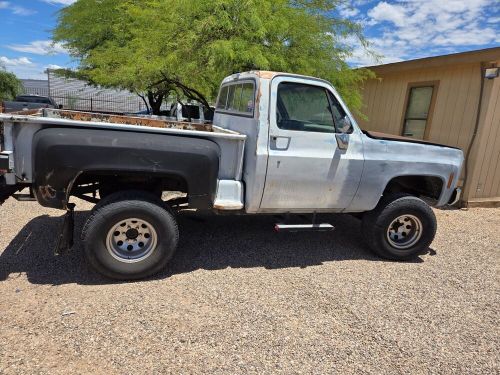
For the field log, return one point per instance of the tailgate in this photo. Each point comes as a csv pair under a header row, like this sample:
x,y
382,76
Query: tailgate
x,y
6,166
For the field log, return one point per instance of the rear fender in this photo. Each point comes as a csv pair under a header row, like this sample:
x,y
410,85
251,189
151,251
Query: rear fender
x,y
60,155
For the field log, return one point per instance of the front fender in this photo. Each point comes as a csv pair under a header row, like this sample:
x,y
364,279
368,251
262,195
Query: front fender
x,y
388,159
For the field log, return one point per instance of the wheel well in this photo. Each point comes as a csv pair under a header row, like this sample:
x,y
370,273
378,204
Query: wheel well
x,y
106,183
426,186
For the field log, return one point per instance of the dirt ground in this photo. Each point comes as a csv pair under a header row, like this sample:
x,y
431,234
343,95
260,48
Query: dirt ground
x,y
239,298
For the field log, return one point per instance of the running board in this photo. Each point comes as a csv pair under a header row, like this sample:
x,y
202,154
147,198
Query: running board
x,y
325,227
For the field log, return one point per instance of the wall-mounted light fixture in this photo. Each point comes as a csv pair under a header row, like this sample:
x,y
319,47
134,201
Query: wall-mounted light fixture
x,y
491,73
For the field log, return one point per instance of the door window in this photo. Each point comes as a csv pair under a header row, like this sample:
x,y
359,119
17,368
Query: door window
x,y
417,111
304,108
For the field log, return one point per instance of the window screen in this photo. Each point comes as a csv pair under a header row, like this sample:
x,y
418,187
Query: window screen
x,y
304,108
417,111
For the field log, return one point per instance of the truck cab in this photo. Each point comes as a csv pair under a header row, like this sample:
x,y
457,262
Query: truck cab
x,y
315,156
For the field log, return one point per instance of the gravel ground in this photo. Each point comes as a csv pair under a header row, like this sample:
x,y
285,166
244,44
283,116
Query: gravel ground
x,y
239,298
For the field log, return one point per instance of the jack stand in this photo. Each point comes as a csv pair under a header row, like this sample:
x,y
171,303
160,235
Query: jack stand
x,y
65,242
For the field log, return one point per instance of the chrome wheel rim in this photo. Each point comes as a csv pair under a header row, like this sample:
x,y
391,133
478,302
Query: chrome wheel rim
x,y
404,231
131,240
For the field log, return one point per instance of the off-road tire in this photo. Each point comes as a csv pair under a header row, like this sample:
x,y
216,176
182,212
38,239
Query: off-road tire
x,y
122,206
376,223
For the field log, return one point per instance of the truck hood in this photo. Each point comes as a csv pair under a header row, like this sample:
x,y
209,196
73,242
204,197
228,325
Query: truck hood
x,y
392,137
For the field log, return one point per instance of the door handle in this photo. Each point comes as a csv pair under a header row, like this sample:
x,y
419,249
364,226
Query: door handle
x,y
280,143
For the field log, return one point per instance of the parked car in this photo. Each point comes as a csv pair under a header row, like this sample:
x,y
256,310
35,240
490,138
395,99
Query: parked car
x,y
279,144
26,102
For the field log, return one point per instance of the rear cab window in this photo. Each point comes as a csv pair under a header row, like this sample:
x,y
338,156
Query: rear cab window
x,y
237,98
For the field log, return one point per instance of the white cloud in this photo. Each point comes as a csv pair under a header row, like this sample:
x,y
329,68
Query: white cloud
x,y
409,29
39,47
53,67
494,20
61,2
23,67
15,62
348,11
388,12
16,9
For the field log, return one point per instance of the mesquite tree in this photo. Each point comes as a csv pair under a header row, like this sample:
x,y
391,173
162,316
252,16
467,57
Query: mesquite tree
x,y
183,48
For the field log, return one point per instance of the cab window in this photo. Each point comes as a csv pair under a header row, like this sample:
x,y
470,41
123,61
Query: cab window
x,y
237,98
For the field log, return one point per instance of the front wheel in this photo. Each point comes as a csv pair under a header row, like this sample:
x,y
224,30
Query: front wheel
x,y
130,236
400,227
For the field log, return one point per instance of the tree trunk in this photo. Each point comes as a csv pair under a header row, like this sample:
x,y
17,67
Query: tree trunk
x,y
155,101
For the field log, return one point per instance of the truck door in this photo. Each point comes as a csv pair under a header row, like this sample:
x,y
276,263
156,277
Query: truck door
x,y
315,153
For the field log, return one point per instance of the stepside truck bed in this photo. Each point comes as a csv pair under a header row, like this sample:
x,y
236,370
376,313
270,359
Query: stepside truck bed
x,y
17,132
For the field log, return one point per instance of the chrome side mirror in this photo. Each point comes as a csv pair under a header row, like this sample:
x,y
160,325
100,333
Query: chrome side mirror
x,y
342,140
345,125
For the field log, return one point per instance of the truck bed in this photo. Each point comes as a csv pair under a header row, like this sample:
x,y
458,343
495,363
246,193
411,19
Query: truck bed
x,y
22,126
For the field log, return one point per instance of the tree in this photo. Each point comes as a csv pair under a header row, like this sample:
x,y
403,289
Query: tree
x,y
184,48
10,85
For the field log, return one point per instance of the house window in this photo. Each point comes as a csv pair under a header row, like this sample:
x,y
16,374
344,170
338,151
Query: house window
x,y
418,111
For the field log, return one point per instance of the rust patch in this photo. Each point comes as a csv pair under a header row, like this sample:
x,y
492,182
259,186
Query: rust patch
x,y
27,112
265,74
257,100
228,207
128,120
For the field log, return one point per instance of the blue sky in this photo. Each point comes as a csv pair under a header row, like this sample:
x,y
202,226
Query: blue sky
x,y
397,29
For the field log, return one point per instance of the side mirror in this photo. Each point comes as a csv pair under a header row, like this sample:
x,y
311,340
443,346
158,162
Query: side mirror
x,y
345,125
342,141
60,106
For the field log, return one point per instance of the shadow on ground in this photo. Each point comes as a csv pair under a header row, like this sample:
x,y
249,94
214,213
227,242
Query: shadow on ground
x,y
207,242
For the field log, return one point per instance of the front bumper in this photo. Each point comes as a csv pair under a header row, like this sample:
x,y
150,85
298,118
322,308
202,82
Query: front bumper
x,y
455,197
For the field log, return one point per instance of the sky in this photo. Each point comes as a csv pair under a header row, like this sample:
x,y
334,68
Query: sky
x,y
396,29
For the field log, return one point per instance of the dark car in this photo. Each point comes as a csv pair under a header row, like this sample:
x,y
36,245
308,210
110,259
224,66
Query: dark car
x,y
25,102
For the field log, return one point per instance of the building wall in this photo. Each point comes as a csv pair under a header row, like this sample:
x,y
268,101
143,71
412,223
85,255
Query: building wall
x,y
455,108
453,118
484,179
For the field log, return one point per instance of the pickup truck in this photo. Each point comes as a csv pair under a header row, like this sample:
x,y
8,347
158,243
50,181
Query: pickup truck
x,y
279,144
28,102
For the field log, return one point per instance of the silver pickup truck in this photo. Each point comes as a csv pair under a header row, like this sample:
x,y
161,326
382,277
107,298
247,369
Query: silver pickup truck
x,y
279,144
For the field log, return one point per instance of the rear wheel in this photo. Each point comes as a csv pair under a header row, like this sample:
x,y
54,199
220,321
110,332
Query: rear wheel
x,y
131,235
400,227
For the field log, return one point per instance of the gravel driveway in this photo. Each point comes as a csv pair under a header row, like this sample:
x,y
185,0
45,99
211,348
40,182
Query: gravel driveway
x,y
239,298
